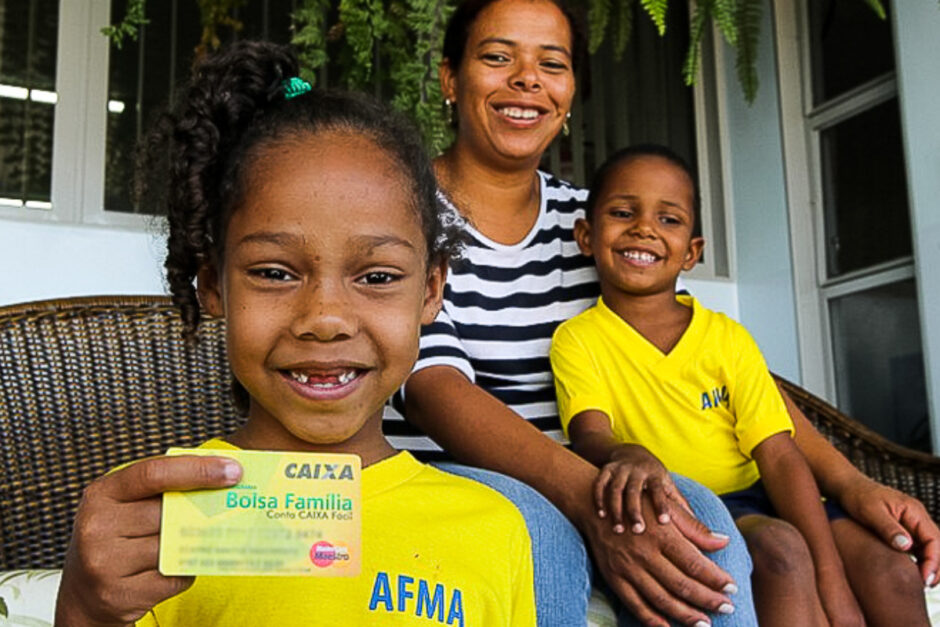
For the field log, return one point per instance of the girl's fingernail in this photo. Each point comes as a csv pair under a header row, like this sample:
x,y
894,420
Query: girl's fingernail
x,y
601,513
931,578
664,519
726,608
702,623
619,529
901,541
730,588
720,536
638,528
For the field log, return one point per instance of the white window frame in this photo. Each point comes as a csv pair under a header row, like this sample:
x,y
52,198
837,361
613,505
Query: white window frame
x,y
802,124
713,146
80,127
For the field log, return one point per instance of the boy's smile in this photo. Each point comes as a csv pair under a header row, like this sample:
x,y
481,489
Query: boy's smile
x,y
324,286
640,233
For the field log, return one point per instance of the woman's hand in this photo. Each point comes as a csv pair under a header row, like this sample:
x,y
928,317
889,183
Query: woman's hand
x,y
110,575
662,573
900,520
631,471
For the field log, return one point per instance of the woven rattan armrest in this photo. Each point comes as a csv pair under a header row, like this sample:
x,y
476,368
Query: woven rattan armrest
x,y
910,471
87,384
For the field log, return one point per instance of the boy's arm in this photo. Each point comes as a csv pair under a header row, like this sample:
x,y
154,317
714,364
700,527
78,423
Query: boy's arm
x,y
110,575
627,470
661,572
794,494
900,520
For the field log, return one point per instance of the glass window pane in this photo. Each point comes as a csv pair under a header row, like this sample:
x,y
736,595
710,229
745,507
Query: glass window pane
x,y
879,362
144,74
849,45
28,31
865,191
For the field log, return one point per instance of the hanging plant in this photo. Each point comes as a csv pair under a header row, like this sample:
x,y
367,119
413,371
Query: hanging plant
x,y
393,47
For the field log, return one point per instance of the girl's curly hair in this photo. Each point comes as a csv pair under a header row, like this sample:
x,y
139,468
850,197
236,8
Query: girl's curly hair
x,y
234,105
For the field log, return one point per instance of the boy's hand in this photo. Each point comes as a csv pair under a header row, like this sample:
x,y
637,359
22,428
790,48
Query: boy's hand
x,y
110,575
631,471
837,598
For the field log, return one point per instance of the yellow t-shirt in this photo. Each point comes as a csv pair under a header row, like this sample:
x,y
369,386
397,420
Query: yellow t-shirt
x,y
701,409
437,550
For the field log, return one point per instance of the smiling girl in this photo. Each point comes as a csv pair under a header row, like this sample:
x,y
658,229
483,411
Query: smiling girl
x,y
309,221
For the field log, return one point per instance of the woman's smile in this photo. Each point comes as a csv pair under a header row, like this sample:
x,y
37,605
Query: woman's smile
x,y
516,75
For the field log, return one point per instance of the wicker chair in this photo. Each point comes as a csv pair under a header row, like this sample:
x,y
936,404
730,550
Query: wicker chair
x,y
90,383
87,384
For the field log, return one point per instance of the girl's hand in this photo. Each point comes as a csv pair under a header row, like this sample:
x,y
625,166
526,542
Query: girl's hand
x,y
621,482
110,575
837,598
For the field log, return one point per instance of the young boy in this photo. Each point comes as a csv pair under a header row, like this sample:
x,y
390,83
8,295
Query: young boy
x,y
647,375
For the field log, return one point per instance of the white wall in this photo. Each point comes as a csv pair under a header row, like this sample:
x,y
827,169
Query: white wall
x,y
716,295
764,274
42,260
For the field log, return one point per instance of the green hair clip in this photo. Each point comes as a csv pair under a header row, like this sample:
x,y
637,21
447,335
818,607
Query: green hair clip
x,y
295,86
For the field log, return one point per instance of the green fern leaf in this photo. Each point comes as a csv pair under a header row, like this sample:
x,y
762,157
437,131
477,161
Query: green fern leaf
x,y
877,7
623,28
657,11
690,66
4,611
309,26
748,21
598,17
723,14
134,18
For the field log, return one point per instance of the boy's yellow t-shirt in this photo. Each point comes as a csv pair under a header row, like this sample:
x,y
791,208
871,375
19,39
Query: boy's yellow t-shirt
x,y
437,549
701,409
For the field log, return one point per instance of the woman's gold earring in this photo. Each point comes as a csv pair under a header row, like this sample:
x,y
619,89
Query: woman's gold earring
x,y
564,127
449,106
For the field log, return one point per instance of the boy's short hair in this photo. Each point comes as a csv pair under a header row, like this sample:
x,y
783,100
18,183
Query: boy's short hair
x,y
645,150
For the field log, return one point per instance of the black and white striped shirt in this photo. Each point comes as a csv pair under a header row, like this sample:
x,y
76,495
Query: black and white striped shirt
x,y
501,306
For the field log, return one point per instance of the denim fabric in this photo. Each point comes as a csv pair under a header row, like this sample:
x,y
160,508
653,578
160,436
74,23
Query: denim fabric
x,y
560,561
733,559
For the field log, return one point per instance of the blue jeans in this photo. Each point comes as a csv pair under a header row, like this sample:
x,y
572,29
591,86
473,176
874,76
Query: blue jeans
x,y
560,560
733,559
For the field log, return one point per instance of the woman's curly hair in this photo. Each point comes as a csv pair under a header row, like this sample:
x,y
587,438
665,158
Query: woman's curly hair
x,y
233,106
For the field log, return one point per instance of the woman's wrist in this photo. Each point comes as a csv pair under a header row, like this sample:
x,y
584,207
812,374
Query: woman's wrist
x,y
632,453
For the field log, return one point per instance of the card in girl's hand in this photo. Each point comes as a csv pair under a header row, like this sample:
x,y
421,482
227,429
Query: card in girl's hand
x,y
292,514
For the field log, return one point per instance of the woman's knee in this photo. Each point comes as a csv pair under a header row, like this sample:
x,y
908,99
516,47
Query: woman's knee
x,y
706,506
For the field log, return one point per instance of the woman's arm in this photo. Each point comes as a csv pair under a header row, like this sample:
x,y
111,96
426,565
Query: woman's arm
x,y
794,494
660,572
900,520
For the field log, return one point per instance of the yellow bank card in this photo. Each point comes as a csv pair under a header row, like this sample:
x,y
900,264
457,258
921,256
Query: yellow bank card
x,y
293,514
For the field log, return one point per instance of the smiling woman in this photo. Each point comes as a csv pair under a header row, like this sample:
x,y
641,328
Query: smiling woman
x,y
483,387
514,82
